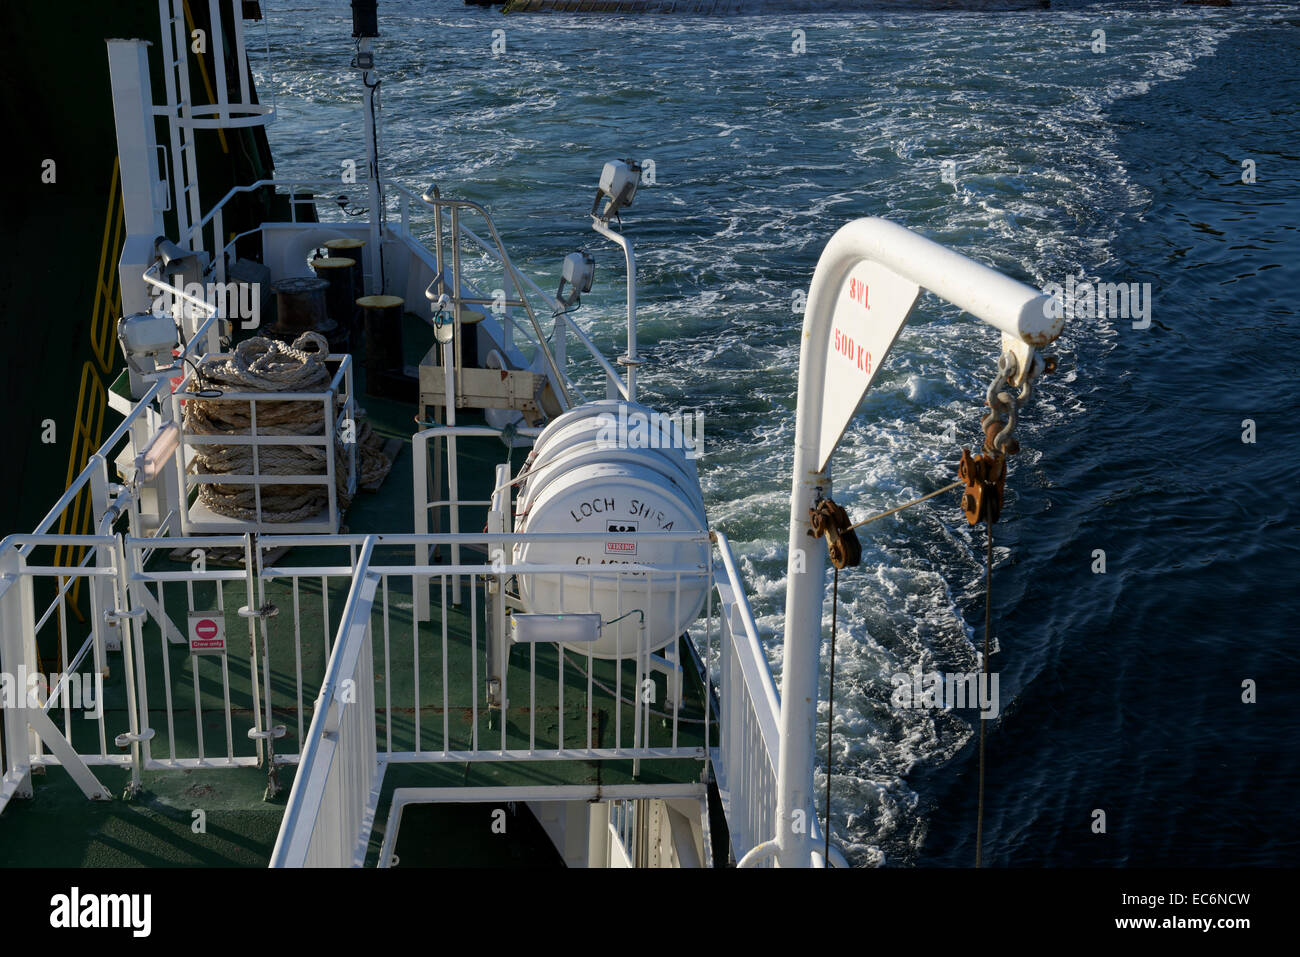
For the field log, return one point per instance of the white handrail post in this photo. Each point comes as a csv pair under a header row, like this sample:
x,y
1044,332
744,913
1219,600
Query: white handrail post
x,y
509,291
107,636
631,360
842,327
420,474
560,344
15,619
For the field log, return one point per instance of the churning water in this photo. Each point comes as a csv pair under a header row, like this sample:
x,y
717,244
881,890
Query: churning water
x,y
1012,139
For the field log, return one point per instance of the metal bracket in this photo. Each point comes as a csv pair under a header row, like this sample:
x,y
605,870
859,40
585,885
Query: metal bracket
x,y
115,616
127,738
1030,364
330,726
266,611
1024,354
275,732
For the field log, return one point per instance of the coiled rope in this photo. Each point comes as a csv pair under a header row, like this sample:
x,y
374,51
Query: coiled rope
x,y
268,365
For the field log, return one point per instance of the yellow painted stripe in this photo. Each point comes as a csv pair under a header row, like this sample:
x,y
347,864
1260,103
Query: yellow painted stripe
x,y
101,323
108,346
87,427
88,420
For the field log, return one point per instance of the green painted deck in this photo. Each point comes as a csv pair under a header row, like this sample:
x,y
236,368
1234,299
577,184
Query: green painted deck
x,y
158,825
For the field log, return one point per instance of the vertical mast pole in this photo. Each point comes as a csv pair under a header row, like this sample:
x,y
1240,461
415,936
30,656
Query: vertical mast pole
x,y
365,27
372,163
805,586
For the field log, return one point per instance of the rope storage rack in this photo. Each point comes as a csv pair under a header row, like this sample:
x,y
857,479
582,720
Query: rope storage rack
x,y
262,365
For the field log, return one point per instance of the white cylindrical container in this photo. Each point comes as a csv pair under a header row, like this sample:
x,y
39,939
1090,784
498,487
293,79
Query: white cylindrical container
x,y
604,440
592,471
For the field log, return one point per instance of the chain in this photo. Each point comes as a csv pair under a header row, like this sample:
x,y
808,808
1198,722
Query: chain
x,y
984,477
1000,403
985,474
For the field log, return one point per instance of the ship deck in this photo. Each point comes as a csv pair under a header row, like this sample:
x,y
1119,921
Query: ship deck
x,y
157,826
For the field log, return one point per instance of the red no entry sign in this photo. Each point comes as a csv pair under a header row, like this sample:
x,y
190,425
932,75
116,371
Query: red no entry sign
x,y
207,633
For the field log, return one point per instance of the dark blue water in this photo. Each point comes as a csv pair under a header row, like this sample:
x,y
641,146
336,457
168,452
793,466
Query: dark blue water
x,y
1121,691
1131,681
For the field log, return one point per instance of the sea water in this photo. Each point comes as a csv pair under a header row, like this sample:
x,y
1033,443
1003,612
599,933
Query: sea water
x,y
1144,594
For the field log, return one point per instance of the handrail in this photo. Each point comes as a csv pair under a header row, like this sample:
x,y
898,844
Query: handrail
x,y
294,842
483,244
123,427
758,677
503,257
250,187
596,354
495,248
518,277
410,195
561,315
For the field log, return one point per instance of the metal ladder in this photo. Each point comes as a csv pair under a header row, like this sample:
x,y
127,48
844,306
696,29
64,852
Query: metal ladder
x,y
172,16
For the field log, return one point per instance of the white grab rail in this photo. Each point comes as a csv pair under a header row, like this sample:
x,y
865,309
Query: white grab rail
x,y
749,743
745,760
331,807
402,200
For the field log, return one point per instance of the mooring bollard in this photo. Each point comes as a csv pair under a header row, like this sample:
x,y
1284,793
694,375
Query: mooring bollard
x,y
340,297
385,366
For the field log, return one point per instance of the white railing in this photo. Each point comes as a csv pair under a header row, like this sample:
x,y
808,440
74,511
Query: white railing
x,y
337,429
34,700
31,737
745,759
142,426
602,684
749,742
220,711
331,808
400,202
425,717
405,675
165,662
